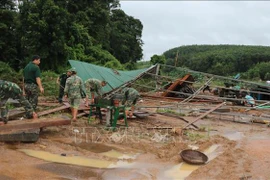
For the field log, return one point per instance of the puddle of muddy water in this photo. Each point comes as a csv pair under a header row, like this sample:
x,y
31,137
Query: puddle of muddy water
x,y
103,150
183,170
135,169
180,171
74,160
90,146
116,154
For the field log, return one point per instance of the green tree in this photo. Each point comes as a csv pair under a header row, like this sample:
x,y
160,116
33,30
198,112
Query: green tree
x,y
264,69
114,64
158,59
8,31
130,66
125,40
44,27
7,73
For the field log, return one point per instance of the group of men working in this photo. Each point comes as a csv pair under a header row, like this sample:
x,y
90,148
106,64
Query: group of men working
x,y
71,87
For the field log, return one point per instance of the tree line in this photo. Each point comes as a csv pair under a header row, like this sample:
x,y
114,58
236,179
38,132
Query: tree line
x,y
253,62
93,31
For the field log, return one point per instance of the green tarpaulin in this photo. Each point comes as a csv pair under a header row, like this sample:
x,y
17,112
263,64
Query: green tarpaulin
x,y
113,77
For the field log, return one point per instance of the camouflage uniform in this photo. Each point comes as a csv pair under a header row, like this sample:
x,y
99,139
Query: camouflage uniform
x,y
75,90
12,90
131,96
93,85
62,79
31,91
31,72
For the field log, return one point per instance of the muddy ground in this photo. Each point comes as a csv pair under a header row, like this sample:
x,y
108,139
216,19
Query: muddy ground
x,y
148,149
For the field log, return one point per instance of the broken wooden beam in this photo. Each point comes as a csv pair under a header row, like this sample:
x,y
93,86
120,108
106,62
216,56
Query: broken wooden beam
x,y
205,114
27,130
19,125
176,83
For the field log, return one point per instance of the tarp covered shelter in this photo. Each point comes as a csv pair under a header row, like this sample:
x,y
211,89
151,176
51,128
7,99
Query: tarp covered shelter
x,y
114,78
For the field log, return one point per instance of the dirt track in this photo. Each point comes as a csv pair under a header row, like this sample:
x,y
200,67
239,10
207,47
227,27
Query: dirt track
x,y
139,153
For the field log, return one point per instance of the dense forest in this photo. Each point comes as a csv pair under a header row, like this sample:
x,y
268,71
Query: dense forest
x,y
253,62
93,31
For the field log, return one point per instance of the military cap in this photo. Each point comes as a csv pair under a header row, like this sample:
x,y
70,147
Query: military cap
x,y
72,69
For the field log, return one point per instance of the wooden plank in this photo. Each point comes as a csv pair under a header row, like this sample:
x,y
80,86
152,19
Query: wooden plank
x,y
81,107
14,113
205,114
221,110
54,122
159,127
261,121
65,106
198,99
19,125
175,84
33,124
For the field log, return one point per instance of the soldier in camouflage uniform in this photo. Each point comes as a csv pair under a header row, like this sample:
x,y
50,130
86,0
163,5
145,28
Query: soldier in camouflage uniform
x,y
130,98
12,90
75,91
94,86
32,81
61,80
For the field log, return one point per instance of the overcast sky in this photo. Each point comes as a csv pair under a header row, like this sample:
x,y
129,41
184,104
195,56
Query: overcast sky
x,y
169,24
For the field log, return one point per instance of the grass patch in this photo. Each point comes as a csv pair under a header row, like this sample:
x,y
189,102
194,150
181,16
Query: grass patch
x,y
194,136
169,111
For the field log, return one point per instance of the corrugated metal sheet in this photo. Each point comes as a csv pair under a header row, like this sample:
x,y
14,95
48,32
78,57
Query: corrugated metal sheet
x,y
113,77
